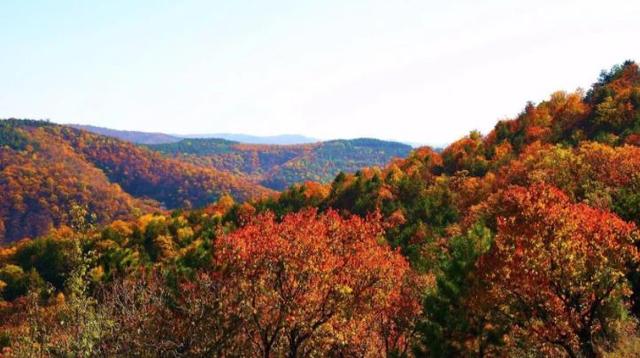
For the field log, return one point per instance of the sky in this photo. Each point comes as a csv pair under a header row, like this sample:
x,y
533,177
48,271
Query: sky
x,y
412,70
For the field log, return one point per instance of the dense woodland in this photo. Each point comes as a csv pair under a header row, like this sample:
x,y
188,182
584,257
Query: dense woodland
x,y
522,242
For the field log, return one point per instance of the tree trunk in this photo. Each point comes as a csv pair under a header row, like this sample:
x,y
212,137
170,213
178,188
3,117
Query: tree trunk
x,y
293,351
586,344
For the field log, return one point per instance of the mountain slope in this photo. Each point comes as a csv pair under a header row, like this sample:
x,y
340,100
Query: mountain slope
x,y
143,172
587,145
41,178
47,168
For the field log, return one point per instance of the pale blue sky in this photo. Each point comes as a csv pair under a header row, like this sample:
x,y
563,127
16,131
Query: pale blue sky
x,y
422,71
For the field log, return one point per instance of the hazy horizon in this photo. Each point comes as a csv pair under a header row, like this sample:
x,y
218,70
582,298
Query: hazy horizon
x,y
295,138
390,70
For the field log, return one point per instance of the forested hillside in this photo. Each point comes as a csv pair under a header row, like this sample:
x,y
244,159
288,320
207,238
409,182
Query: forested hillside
x,y
46,168
41,177
279,166
520,243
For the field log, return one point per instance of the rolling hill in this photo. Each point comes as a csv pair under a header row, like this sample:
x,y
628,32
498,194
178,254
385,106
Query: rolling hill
x,y
275,162
279,166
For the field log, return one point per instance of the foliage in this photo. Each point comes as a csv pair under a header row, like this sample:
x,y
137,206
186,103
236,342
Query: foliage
x,y
522,242
558,270
311,284
451,326
329,275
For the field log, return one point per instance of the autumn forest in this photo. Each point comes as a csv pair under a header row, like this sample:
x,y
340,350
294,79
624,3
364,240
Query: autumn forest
x,y
520,242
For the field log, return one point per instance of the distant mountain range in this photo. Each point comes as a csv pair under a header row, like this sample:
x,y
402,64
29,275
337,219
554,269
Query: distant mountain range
x,y
130,136
281,139
138,137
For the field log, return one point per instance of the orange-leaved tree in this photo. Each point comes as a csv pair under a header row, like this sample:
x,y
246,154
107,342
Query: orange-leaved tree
x,y
558,269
